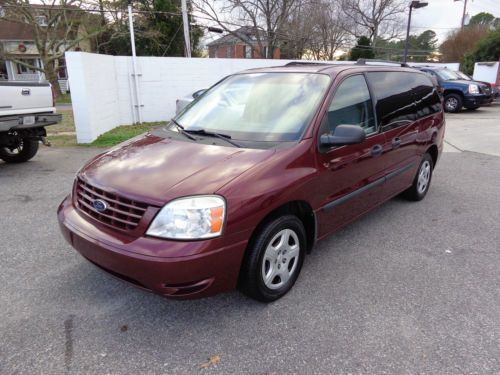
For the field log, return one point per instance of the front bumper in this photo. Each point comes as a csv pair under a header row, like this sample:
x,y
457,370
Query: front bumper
x,y
477,100
209,269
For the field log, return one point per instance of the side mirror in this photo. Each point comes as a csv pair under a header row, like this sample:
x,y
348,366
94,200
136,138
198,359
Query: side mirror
x,y
343,135
198,93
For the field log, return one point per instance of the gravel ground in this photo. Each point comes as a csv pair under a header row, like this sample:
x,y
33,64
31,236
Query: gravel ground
x,y
411,288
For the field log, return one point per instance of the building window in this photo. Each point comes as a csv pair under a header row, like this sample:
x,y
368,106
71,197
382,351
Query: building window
x,y
61,69
248,52
22,69
41,20
3,70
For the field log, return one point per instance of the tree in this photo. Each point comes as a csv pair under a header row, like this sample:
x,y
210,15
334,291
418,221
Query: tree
x,y
157,27
267,19
330,29
377,18
488,49
56,27
460,42
362,50
482,18
421,47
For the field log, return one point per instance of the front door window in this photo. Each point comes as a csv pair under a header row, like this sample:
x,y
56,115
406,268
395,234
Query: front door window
x,y
352,105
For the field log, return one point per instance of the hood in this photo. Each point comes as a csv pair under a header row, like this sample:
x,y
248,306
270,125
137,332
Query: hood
x,y
155,170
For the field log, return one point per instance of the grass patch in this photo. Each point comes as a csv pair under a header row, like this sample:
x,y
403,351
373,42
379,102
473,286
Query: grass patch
x,y
123,133
64,134
64,99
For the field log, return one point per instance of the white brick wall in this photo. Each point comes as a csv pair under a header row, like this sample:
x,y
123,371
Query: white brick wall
x,y
102,87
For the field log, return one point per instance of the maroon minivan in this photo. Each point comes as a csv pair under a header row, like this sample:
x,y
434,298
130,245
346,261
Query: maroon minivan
x,y
235,191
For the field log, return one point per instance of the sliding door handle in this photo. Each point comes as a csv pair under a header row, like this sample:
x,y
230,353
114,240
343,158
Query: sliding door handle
x,y
376,150
396,142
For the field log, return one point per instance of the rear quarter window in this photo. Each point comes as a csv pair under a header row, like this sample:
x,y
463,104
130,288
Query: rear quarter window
x,y
402,97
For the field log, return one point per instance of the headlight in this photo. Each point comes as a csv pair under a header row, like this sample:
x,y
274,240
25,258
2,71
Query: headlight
x,y
473,89
194,217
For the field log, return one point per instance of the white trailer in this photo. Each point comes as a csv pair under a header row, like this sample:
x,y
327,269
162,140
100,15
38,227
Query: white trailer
x,y
488,72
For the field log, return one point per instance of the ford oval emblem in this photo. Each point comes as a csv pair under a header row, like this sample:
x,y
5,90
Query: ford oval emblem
x,y
100,205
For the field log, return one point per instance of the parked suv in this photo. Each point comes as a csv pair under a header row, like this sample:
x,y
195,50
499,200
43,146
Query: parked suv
x,y
235,191
460,90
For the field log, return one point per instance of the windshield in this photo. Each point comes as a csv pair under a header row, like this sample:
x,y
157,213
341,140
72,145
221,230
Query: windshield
x,y
258,106
447,75
463,76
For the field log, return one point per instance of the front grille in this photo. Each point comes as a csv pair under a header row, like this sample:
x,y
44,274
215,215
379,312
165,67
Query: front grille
x,y
486,90
121,213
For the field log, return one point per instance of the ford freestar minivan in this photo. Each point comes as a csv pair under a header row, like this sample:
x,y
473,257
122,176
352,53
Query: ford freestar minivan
x,y
240,185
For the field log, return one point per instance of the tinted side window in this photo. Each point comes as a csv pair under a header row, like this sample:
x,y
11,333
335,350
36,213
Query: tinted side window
x,y
426,96
395,104
352,105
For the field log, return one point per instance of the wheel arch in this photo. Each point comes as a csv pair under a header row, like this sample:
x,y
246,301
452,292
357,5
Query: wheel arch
x,y
434,153
453,91
299,208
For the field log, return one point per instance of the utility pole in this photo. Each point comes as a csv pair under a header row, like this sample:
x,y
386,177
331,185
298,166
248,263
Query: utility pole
x,y
137,104
185,22
463,15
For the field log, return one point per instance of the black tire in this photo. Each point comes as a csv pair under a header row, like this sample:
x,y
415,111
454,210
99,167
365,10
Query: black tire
x,y
257,261
453,103
415,191
27,148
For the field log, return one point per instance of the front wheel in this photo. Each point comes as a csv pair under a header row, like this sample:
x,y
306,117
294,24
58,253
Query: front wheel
x,y
23,151
274,259
422,181
453,103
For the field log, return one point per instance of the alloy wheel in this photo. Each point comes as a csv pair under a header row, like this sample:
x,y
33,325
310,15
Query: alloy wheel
x,y
424,176
280,259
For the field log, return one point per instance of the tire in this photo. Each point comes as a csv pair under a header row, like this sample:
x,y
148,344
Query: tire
x,y
453,103
422,181
278,249
26,149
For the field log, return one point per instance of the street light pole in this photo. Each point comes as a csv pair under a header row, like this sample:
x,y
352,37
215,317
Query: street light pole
x,y
137,104
405,58
414,4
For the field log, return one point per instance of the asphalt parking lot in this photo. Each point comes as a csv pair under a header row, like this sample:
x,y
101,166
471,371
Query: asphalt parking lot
x,y
411,288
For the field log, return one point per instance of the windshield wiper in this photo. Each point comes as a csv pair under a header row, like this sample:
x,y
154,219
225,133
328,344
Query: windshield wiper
x,y
224,137
182,131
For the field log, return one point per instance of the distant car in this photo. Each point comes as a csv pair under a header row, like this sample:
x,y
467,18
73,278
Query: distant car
x,y
460,90
182,103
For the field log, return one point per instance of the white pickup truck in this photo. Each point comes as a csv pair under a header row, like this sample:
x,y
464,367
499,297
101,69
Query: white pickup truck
x,y
25,109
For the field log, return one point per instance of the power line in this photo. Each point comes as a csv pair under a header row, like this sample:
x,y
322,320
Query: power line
x,y
280,36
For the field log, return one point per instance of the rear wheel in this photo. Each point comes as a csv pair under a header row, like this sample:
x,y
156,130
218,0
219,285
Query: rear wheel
x,y
274,259
422,180
25,149
453,103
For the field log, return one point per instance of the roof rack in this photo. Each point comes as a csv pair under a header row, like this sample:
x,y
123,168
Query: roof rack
x,y
365,61
293,63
